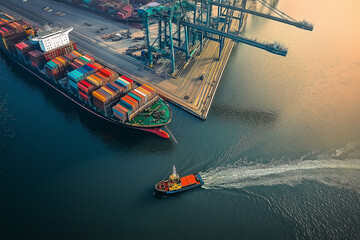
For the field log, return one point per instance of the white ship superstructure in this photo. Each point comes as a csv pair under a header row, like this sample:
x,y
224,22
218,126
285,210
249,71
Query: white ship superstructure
x,y
52,37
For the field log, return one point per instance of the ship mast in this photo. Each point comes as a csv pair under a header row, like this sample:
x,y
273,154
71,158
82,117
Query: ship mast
x,y
174,171
174,177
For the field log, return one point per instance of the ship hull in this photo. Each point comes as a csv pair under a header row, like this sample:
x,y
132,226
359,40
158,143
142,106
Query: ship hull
x,y
155,130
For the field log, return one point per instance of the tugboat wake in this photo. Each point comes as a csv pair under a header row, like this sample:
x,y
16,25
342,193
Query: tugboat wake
x,y
340,169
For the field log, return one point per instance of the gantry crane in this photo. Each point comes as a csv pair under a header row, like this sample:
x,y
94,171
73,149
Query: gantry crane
x,y
184,25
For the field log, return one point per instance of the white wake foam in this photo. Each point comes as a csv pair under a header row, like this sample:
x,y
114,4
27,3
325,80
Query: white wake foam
x,y
331,168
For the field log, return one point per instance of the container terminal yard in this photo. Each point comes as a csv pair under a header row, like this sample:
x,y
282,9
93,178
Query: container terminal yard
x,y
184,67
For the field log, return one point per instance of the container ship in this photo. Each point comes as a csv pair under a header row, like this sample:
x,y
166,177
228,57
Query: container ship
x,y
51,56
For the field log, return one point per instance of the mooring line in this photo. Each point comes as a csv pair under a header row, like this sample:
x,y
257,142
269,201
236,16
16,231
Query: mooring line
x,y
173,137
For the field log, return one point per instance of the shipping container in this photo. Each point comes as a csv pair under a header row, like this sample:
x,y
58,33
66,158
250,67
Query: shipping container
x,y
141,95
37,58
128,103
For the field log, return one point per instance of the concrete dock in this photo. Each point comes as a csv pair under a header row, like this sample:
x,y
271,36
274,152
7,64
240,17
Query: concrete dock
x,y
187,91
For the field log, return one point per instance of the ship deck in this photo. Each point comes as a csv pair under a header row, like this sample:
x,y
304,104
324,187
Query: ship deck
x,y
146,118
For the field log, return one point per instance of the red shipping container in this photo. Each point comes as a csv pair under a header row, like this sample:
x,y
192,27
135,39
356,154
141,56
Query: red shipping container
x,y
82,87
105,72
84,96
128,79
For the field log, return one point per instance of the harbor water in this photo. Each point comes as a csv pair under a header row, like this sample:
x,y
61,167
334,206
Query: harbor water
x,y
279,151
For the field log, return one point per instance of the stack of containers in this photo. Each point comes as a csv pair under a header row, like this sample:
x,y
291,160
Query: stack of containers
x,y
79,74
77,64
71,56
127,84
55,68
109,73
97,79
10,28
121,111
76,54
23,48
37,58
97,65
6,31
148,91
86,87
102,77
81,61
60,51
2,22
5,17
104,97
129,101
9,41
87,59
139,96
124,108
11,32
17,28
132,101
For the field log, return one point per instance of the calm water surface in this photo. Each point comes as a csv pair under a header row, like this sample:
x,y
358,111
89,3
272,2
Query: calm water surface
x,y
279,152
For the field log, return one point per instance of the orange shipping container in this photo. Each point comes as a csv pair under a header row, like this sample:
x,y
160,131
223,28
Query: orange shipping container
x,y
97,79
119,106
132,100
129,102
99,96
97,65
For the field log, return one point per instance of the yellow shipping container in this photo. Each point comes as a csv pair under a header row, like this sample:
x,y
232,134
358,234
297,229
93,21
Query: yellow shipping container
x,y
93,81
61,60
76,53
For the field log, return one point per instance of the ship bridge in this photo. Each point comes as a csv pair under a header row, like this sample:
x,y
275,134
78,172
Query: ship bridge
x,y
51,38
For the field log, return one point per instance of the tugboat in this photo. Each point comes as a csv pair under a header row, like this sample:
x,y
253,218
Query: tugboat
x,y
175,184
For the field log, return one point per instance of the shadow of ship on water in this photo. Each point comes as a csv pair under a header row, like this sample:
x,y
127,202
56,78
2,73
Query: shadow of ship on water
x,y
247,115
